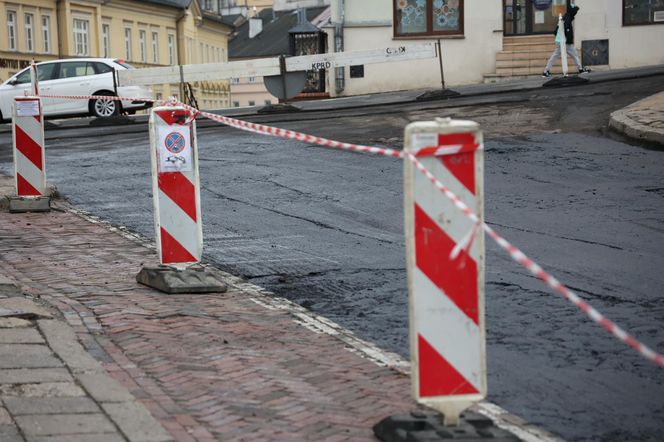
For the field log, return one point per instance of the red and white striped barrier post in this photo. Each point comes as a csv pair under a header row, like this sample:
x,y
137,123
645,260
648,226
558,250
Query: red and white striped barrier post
x,y
177,205
29,156
445,261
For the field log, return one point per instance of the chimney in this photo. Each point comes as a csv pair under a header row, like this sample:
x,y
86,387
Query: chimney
x,y
255,26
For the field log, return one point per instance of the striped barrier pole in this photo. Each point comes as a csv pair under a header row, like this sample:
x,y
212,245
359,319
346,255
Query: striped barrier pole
x,y
29,156
175,186
445,262
177,205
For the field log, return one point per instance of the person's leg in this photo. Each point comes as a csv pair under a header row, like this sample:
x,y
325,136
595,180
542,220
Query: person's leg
x,y
552,59
571,50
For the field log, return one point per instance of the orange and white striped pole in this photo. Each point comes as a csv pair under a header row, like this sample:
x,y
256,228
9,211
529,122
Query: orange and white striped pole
x,y
175,185
445,262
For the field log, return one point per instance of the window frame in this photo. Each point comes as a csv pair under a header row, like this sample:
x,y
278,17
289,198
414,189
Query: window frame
x,y
171,49
84,33
127,39
637,24
155,47
46,33
29,31
142,46
12,42
430,33
106,39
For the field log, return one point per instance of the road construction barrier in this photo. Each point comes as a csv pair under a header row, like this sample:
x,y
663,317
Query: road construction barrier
x,y
516,254
175,186
29,156
445,263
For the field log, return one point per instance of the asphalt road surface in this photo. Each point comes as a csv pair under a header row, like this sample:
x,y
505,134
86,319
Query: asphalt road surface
x,y
324,228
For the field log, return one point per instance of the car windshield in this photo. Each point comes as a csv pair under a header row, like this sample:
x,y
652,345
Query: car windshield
x,y
124,64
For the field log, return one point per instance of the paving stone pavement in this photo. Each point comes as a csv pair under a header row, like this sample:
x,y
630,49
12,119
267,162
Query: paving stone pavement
x,y
643,120
207,367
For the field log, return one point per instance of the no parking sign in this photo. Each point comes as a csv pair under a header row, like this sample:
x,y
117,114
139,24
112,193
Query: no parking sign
x,y
174,149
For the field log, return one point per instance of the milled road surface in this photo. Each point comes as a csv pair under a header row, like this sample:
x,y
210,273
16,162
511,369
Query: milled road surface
x,y
324,228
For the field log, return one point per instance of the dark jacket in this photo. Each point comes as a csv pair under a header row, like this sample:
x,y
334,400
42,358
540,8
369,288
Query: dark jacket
x,y
568,18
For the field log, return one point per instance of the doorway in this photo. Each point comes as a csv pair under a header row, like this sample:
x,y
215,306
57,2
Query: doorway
x,y
528,17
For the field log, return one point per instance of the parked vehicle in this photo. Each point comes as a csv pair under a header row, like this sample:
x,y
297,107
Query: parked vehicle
x,y
77,76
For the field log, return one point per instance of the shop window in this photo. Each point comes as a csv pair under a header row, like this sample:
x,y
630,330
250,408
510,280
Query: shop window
x,y
428,17
643,12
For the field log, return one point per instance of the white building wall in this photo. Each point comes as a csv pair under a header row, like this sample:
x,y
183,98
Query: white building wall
x,y
368,25
629,46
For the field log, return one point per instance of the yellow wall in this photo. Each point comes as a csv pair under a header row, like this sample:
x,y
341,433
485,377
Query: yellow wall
x,y
11,61
195,40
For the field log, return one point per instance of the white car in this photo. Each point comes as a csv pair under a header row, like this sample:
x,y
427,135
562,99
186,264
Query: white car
x,y
77,76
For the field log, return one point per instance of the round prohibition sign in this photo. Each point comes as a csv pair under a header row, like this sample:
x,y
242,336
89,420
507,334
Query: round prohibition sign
x,y
174,142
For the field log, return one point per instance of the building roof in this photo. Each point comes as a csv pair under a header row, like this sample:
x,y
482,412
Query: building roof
x,y
273,39
181,4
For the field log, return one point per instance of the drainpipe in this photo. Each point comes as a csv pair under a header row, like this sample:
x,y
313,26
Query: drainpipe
x,y
340,72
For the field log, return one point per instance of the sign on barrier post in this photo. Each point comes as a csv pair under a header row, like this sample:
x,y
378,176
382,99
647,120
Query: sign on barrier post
x,y
445,262
29,156
177,205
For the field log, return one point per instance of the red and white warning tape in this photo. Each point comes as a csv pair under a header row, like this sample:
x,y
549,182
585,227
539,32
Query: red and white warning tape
x,y
514,252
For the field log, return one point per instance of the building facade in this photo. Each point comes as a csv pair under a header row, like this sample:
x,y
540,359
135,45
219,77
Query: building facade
x,y
488,40
146,33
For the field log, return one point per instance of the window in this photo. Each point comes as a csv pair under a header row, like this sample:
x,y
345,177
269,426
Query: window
x,y
155,47
235,80
252,103
106,40
11,29
171,49
101,68
23,77
643,12
81,37
76,69
128,43
46,33
29,33
252,79
236,104
46,71
268,102
141,45
427,17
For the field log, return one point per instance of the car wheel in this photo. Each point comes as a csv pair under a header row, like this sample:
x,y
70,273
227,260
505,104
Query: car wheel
x,y
104,108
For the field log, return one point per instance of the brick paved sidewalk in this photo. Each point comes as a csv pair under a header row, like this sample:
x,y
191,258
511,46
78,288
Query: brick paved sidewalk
x,y
208,367
52,390
643,120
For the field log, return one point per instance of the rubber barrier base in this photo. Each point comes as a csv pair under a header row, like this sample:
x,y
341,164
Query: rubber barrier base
x,y
572,80
21,204
194,280
278,108
425,427
439,94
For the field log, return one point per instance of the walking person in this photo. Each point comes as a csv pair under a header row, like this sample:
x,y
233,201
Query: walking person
x,y
568,18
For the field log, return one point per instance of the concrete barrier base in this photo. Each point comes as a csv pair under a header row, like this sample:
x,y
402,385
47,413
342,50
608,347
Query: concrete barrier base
x,y
425,427
21,204
193,280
